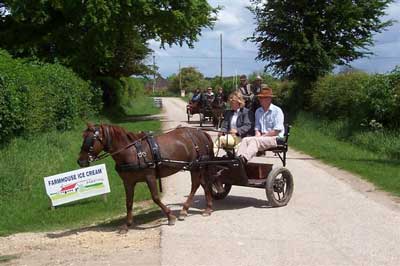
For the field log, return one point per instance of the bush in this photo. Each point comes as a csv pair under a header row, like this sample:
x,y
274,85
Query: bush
x,y
337,97
119,93
370,101
131,89
37,97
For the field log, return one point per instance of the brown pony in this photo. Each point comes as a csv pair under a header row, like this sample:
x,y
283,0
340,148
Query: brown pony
x,y
136,162
218,109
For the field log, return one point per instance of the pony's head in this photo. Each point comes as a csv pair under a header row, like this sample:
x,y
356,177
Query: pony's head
x,y
93,144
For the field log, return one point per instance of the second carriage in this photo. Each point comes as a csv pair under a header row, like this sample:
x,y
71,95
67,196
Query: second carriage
x,y
208,113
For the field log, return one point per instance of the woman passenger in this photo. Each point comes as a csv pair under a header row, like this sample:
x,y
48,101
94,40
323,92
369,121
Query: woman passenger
x,y
238,122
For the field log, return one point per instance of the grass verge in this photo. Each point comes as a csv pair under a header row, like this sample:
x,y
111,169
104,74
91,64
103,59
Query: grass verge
x,y
24,205
312,136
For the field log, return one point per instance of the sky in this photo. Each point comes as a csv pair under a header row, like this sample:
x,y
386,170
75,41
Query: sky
x,y
235,23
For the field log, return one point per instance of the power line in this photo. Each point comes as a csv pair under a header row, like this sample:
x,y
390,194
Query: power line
x,y
242,57
202,57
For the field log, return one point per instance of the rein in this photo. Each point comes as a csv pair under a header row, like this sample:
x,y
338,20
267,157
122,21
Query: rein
x,y
107,154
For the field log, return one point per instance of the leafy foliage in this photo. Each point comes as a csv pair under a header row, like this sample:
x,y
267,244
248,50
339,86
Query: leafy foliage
x,y
41,97
369,101
304,39
190,78
100,38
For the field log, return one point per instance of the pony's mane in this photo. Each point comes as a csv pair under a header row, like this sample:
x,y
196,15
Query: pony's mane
x,y
119,134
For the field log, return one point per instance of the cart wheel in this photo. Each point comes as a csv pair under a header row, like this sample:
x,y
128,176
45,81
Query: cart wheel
x,y
219,196
201,120
279,187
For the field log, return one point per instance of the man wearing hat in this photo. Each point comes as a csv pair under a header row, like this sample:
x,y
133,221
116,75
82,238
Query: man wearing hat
x,y
256,89
268,127
209,97
245,90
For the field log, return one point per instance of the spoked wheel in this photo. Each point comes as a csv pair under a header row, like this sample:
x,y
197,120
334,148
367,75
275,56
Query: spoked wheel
x,y
279,187
220,195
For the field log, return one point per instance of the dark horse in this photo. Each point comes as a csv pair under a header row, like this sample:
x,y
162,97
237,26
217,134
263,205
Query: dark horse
x,y
140,158
218,109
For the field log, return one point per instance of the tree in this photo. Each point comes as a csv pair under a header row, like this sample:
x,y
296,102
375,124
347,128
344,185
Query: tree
x,y
303,39
100,38
190,80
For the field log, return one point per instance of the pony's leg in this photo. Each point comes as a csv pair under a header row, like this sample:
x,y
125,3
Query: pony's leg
x,y
152,184
195,176
129,193
207,193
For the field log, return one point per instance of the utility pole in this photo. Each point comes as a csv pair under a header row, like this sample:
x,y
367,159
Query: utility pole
x,y
180,77
154,73
235,80
220,44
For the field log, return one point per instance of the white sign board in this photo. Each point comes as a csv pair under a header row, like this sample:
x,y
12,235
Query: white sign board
x,y
79,184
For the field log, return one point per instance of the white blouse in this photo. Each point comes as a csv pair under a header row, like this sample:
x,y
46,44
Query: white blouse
x,y
234,119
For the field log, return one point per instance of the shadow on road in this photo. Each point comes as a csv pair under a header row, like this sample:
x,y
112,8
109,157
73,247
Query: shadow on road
x,y
231,202
143,221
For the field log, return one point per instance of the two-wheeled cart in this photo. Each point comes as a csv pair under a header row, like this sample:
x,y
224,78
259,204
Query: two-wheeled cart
x,y
277,181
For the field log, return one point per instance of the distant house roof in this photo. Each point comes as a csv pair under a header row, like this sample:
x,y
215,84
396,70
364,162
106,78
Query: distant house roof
x,y
161,83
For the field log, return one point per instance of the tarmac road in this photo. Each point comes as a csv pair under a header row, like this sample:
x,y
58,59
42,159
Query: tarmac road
x,y
333,218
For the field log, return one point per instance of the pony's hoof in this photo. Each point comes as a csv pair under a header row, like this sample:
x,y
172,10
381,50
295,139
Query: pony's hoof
x,y
171,220
206,213
123,229
182,215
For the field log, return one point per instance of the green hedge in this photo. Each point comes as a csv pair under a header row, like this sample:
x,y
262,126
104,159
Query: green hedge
x,y
121,92
37,97
371,101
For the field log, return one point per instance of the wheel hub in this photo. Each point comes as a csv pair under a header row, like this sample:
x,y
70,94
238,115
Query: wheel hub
x,y
279,186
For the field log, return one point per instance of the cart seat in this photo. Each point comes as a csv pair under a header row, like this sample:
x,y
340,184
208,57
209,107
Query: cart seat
x,y
282,147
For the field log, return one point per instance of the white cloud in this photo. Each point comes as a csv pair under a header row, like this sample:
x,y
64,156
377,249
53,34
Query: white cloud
x,y
236,23
228,19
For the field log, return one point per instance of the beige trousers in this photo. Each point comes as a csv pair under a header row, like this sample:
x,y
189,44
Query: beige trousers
x,y
251,145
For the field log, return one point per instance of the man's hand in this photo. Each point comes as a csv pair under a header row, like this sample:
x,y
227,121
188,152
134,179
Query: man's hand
x,y
271,133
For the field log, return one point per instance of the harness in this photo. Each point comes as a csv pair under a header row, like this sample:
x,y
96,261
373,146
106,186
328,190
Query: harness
x,y
143,162
151,159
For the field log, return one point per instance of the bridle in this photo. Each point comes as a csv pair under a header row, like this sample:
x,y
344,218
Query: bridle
x,y
89,142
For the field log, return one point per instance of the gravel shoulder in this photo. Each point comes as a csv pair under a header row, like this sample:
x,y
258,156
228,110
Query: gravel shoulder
x,y
93,245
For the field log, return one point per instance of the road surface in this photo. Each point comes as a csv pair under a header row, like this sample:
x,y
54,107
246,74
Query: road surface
x,y
332,219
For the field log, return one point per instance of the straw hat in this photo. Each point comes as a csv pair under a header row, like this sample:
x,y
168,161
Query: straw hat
x,y
265,92
228,141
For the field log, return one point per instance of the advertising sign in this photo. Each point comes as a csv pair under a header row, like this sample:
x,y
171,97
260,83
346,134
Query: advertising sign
x,y
79,184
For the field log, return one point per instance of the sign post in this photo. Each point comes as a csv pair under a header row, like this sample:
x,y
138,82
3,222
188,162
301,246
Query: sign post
x,y
78,184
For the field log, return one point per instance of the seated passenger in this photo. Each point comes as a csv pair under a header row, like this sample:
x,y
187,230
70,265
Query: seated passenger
x,y
245,89
220,97
196,96
238,122
268,127
209,97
